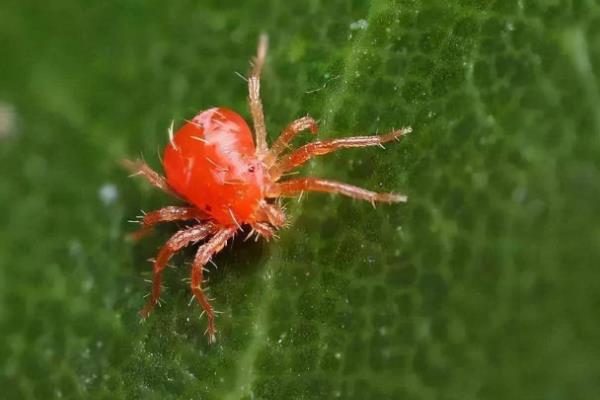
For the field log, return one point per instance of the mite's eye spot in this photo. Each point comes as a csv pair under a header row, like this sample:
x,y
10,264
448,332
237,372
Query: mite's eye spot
x,y
252,169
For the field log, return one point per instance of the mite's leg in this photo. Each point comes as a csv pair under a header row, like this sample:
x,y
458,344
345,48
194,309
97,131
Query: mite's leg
x,y
167,214
204,254
263,229
310,150
173,245
281,144
254,101
139,167
294,187
271,213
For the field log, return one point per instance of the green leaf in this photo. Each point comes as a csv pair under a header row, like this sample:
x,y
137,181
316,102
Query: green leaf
x,y
485,285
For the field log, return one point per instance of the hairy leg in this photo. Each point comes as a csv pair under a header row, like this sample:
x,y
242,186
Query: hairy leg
x,y
139,167
203,256
263,229
173,245
281,144
167,214
294,187
310,150
271,213
254,101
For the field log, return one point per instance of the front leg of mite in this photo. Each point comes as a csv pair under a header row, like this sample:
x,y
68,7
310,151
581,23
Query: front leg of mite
x,y
282,142
254,100
294,187
319,148
203,256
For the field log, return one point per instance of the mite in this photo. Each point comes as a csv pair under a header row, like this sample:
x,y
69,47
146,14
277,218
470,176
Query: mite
x,y
229,183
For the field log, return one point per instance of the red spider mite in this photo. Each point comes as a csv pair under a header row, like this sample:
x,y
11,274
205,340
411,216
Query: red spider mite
x,y
228,182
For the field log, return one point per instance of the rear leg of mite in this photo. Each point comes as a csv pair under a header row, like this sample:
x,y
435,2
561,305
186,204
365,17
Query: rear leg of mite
x,y
166,214
178,241
203,256
139,167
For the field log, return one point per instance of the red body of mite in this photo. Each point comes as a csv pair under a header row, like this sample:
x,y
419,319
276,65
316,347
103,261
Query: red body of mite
x,y
232,183
211,162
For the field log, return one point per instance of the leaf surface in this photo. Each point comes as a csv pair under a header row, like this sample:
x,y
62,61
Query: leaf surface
x,y
484,285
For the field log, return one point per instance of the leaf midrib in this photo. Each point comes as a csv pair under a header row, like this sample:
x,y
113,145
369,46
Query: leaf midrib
x,y
245,374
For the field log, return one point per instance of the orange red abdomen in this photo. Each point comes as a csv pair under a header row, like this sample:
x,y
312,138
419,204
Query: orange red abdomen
x,y
211,163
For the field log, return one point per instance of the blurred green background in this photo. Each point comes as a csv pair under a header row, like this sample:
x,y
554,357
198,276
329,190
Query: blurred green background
x,y
484,286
